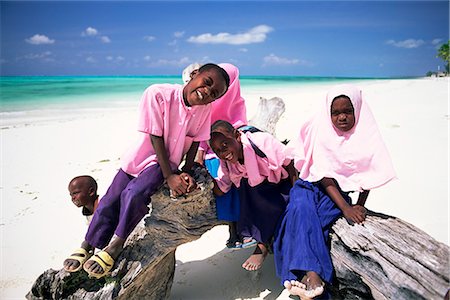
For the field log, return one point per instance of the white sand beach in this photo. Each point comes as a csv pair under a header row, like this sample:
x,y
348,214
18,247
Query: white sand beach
x,y
40,226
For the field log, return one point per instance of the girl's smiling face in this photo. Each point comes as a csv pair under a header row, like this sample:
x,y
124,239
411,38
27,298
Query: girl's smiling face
x,y
204,87
227,146
342,113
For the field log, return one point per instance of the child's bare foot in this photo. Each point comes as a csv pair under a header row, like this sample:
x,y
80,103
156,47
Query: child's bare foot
x,y
114,249
295,287
309,287
255,261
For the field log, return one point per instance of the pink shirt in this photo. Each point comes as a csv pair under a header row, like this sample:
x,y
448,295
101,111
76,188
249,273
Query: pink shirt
x,y
256,168
163,113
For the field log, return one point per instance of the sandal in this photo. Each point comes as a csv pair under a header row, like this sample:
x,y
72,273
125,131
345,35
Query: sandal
x,y
248,242
81,255
104,260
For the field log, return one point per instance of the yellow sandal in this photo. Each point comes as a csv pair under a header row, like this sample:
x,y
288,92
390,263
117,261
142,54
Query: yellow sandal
x,y
81,255
104,260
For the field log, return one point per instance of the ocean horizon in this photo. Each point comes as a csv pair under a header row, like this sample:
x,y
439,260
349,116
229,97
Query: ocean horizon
x,y
35,98
24,93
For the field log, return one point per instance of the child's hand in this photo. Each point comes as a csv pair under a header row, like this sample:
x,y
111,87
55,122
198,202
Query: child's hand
x,y
177,185
355,214
187,179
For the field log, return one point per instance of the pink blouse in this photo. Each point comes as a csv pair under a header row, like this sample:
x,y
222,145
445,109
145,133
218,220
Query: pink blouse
x,y
256,168
163,113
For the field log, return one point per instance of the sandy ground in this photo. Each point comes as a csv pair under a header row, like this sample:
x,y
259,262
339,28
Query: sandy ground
x,y
40,227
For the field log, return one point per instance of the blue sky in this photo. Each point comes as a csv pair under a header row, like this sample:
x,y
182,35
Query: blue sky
x,y
304,38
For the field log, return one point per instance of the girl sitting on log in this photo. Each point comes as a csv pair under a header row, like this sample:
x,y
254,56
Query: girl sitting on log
x,y
259,166
340,150
231,108
173,120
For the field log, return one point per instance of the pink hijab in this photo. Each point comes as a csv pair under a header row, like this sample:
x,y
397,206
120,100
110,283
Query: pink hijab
x,y
231,106
356,159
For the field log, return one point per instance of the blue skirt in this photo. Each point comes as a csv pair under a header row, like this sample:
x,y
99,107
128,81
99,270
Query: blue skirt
x,y
227,205
301,240
261,208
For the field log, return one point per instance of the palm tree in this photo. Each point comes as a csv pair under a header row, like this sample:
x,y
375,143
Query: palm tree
x,y
444,53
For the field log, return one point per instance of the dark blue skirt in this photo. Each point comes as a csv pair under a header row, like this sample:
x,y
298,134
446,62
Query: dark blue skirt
x,y
261,208
301,241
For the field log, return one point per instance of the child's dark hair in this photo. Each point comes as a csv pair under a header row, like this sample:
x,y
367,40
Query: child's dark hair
x,y
342,96
224,73
222,124
89,179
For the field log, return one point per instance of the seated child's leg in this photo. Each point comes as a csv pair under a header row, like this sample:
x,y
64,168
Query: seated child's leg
x,y
135,199
106,217
133,207
234,241
301,231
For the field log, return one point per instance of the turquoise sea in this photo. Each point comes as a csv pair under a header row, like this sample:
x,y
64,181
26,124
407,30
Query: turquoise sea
x,y
30,93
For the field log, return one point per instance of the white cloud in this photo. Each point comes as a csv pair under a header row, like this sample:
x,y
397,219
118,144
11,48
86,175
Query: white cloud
x,y
243,50
182,62
105,39
149,38
116,59
147,58
44,55
272,59
90,59
172,43
436,41
178,34
256,34
408,44
90,31
39,39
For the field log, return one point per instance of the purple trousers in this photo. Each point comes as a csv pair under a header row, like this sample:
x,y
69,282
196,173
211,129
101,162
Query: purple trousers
x,y
123,206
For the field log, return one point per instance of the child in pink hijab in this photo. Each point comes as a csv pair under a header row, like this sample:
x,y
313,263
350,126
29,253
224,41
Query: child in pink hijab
x,y
340,150
231,108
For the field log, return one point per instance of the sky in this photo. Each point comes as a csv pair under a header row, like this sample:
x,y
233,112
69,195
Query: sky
x,y
293,38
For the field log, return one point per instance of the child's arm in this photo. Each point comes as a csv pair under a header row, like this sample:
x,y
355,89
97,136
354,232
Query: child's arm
x,y
355,213
175,182
190,156
216,190
201,152
362,197
293,174
189,163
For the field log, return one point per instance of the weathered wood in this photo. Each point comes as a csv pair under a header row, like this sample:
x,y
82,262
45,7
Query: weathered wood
x,y
267,114
386,258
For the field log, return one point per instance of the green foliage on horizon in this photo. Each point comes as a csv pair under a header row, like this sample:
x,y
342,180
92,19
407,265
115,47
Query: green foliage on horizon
x,y
443,52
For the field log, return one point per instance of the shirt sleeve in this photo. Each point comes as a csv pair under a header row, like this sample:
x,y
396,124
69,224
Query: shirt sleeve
x,y
204,131
151,109
223,178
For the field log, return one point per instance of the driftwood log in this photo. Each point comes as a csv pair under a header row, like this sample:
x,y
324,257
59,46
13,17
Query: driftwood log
x,y
386,258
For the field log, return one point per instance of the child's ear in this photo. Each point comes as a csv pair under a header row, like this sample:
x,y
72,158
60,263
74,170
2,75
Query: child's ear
x,y
193,73
91,191
237,135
